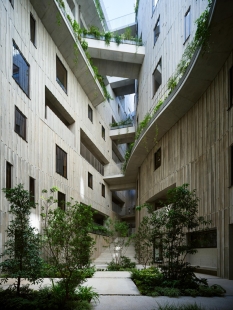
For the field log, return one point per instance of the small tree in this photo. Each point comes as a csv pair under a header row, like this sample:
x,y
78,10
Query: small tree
x,y
22,249
118,237
67,241
143,242
170,225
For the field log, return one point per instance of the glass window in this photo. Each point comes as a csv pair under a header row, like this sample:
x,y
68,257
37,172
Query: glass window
x,y
61,201
90,180
61,75
157,77
187,25
32,29
157,159
103,132
156,31
103,190
32,189
8,175
20,123
203,239
90,113
20,69
61,162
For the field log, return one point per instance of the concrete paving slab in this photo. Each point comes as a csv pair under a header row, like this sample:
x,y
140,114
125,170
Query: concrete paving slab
x,y
153,303
112,274
113,286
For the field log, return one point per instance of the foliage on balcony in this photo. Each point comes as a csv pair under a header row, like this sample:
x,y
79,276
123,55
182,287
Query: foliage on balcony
x,y
126,122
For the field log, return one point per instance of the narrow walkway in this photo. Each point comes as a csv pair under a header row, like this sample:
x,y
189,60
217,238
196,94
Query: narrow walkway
x,y
118,292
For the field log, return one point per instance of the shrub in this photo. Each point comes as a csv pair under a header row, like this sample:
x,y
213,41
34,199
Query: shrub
x,y
182,307
87,293
124,264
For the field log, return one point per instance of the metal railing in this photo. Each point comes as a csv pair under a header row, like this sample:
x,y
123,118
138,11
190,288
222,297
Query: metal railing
x,y
85,153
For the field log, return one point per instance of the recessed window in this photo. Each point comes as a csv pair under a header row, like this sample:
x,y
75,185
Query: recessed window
x,y
90,113
61,75
12,2
8,175
103,190
157,77
61,201
20,123
154,3
61,162
32,189
103,132
32,29
20,69
90,180
156,31
187,25
157,159
118,109
203,239
231,87
231,165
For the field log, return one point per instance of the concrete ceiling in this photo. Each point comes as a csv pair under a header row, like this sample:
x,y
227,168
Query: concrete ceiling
x,y
122,87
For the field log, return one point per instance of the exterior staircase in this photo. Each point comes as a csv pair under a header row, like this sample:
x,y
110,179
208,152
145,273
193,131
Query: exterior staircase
x,y
107,255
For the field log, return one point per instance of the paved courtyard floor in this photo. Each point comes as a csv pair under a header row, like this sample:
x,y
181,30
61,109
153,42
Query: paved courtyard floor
x,y
118,292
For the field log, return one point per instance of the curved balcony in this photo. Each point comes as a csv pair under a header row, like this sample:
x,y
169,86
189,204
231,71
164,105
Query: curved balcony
x,y
199,75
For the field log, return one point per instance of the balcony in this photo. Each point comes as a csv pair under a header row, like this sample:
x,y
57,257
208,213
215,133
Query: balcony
x,y
64,38
85,153
123,134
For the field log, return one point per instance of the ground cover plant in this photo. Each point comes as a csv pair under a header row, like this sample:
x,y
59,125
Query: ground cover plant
x,y
168,227
66,254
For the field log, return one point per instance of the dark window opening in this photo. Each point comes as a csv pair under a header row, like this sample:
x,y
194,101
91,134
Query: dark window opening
x,y
157,77
231,165
157,159
8,175
203,239
156,31
61,162
61,201
118,109
20,123
32,29
12,3
61,75
32,189
231,87
90,113
103,190
103,132
20,70
90,180
187,25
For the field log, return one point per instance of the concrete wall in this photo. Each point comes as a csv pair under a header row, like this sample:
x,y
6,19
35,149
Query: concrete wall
x,y
36,156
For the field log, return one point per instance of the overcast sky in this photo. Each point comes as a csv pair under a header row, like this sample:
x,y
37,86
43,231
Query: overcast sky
x,y
120,12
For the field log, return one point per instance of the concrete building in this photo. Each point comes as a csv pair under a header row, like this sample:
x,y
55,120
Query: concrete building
x,y
55,119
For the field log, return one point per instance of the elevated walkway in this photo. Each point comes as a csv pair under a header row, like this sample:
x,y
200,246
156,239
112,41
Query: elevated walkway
x,y
122,134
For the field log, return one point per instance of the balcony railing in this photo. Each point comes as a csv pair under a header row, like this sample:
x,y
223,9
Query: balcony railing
x,y
85,153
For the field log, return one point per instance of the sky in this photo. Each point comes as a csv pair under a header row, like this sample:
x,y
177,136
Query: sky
x,y
120,12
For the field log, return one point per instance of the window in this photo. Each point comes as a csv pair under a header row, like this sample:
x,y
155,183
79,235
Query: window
x,y
90,180
61,162
90,113
61,75
103,132
203,239
32,189
231,87
20,123
8,175
231,165
157,77
32,29
20,69
187,25
157,159
103,190
118,109
12,2
61,201
156,31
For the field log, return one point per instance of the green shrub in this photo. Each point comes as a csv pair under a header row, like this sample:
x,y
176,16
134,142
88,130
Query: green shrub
x,y
125,264
191,292
182,307
87,293
171,292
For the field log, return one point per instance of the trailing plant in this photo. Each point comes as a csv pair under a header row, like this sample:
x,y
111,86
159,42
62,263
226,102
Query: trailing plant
x,y
118,39
107,37
99,10
127,121
22,249
136,7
